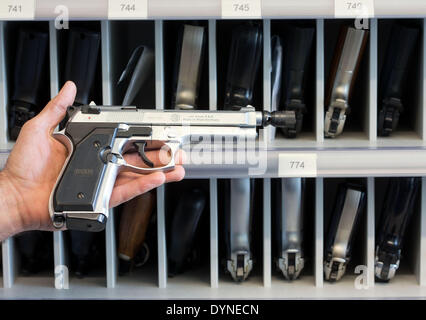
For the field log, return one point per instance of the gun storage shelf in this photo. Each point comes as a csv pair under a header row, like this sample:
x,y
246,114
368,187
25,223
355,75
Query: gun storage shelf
x,y
357,154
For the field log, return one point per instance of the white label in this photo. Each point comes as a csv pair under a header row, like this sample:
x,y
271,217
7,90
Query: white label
x,y
241,9
293,165
127,9
17,9
354,9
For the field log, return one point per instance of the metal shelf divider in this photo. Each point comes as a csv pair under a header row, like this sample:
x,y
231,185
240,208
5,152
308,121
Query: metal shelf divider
x,y
110,237
159,99
319,232
60,256
319,115
267,67
370,233
214,228
373,66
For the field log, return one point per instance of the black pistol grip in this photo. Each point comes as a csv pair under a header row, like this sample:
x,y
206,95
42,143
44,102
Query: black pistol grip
x,y
398,209
244,61
30,68
394,70
393,76
81,185
297,46
184,226
81,63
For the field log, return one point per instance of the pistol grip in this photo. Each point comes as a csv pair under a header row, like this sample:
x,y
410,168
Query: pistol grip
x,y
80,199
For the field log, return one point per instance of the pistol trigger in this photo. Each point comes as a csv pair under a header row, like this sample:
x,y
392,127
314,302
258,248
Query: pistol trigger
x,y
140,146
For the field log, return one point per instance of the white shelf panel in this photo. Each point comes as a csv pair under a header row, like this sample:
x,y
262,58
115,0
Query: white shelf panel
x,y
205,9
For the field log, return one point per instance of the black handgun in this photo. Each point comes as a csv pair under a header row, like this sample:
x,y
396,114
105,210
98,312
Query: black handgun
x,y
244,60
397,210
393,76
35,250
81,63
297,50
29,77
185,222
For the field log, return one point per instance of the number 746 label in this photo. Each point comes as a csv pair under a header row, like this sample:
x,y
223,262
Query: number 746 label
x,y
297,165
17,9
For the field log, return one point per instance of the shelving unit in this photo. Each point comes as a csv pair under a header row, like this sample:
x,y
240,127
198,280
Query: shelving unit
x,y
358,153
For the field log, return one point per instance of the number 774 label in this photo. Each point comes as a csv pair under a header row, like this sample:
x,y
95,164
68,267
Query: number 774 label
x,y
293,165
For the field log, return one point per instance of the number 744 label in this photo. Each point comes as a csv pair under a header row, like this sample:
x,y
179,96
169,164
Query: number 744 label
x,y
127,9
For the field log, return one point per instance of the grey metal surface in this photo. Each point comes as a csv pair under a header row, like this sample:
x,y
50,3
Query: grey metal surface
x,y
110,238
239,228
319,95
189,67
371,115
291,223
319,233
161,214
214,228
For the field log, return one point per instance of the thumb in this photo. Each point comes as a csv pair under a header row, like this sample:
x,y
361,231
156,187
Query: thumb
x,y
54,112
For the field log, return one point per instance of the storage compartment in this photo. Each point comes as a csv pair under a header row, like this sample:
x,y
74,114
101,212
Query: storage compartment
x,y
29,42
283,30
338,201
79,44
307,226
238,227
126,38
173,33
85,256
34,257
356,124
410,251
188,232
224,32
408,88
142,267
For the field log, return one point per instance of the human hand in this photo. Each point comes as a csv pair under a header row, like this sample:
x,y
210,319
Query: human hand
x,y
36,161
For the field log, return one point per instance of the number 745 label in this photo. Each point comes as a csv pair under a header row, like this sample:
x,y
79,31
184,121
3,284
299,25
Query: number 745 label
x,y
297,165
241,9
17,9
